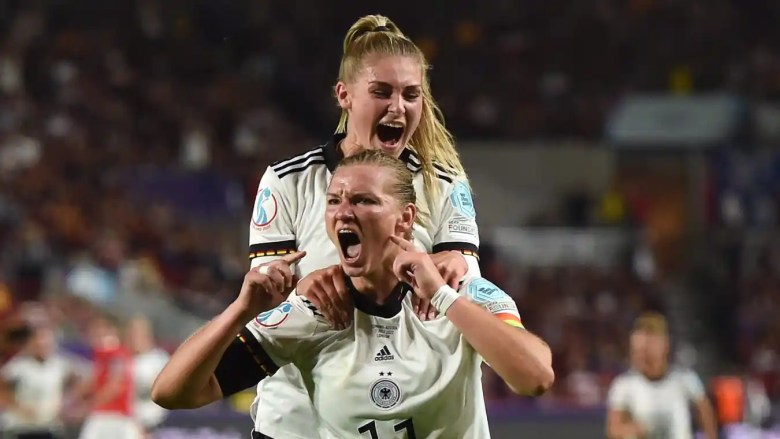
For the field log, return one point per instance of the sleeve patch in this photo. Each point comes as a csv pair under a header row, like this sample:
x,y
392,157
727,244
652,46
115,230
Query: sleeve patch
x,y
275,317
460,198
483,291
266,208
457,226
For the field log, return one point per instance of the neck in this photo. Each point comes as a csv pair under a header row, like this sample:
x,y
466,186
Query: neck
x,y
378,286
378,289
656,371
349,145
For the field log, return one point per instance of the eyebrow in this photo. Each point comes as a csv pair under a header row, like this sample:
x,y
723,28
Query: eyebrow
x,y
385,84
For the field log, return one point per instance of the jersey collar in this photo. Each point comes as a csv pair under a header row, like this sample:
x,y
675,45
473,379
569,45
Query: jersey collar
x,y
333,154
389,309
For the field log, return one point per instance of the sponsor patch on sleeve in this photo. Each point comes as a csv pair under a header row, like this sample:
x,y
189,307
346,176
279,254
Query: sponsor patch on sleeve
x,y
458,227
265,209
460,198
484,293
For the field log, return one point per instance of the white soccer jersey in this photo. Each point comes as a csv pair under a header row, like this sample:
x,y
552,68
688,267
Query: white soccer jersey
x,y
146,367
38,386
389,375
289,215
661,406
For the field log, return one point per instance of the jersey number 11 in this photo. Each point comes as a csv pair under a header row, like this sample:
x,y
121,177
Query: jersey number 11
x,y
407,425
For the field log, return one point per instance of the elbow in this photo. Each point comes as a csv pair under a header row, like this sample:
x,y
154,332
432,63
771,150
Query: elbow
x,y
163,398
545,381
534,384
167,398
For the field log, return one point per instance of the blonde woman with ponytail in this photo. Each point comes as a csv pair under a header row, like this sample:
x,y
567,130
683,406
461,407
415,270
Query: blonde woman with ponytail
x,y
385,97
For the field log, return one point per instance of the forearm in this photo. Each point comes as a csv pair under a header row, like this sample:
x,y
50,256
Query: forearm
x,y
520,358
707,421
188,380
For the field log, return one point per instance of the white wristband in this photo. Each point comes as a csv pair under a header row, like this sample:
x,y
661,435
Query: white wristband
x,y
443,298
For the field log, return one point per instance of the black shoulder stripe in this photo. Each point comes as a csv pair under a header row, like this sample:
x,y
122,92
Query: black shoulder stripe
x,y
306,165
311,307
466,248
444,177
299,161
278,248
258,353
281,164
413,158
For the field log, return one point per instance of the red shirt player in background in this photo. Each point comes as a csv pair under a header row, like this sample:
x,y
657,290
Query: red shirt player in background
x,y
111,414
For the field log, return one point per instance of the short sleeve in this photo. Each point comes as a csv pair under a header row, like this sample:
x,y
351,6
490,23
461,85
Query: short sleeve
x,y
694,388
456,228
11,371
492,298
272,228
274,337
618,394
457,221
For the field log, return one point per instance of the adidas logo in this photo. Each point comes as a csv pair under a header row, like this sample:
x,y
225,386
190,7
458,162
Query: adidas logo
x,y
384,355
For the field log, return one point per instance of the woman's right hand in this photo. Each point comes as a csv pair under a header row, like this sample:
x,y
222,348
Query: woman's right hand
x,y
267,285
326,290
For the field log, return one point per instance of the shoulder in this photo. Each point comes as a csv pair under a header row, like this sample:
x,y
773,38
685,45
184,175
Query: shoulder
x,y
294,316
624,379
683,373
481,290
444,175
301,163
14,365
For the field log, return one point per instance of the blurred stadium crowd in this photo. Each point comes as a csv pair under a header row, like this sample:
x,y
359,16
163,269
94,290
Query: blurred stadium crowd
x,y
133,135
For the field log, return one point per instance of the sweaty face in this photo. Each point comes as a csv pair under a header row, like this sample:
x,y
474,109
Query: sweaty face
x,y
361,215
384,103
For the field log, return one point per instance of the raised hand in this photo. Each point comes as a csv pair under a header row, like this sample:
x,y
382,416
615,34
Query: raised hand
x,y
267,285
326,289
417,269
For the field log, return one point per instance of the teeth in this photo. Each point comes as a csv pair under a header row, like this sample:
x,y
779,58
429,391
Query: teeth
x,y
346,231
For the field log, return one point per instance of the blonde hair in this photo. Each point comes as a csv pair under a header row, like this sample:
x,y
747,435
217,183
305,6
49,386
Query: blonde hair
x,y
376,34
651,322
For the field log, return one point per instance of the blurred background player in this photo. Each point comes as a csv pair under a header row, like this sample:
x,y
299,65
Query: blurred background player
x,y
653,399
148,361
111,394
32,388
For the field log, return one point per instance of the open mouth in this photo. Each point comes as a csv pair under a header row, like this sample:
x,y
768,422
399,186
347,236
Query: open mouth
x,y
350,245
389,134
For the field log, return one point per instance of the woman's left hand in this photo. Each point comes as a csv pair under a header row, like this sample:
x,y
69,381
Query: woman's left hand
x,y
452,266
417,269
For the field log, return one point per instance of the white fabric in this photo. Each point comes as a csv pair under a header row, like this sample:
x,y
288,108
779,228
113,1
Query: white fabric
x,y
38,386
297,206
146,367
384,371
443,299
104,425
661,406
